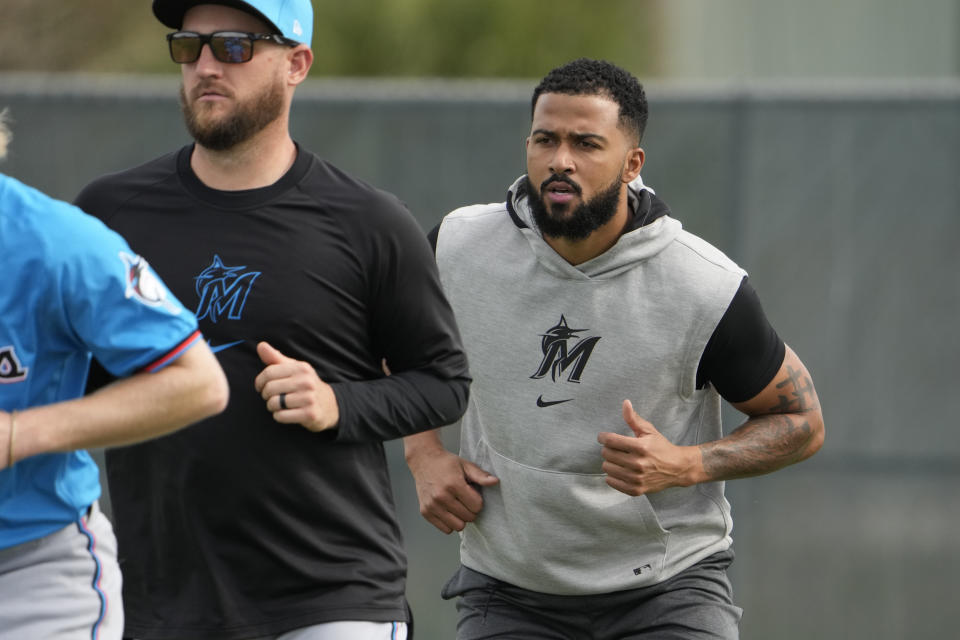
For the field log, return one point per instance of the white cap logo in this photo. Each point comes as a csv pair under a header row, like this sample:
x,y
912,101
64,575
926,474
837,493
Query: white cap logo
x,y
297,29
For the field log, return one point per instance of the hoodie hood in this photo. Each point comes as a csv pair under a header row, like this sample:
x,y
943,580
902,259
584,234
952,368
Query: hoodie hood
x,y
649,231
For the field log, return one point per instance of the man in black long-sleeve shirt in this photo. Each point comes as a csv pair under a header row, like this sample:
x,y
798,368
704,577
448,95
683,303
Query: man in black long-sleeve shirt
x,y
276,515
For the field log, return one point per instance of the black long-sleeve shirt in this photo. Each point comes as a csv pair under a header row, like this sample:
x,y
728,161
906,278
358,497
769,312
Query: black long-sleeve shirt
x,y
240,526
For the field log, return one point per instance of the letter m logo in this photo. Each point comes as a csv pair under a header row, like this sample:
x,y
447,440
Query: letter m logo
x,y
223,290
560,357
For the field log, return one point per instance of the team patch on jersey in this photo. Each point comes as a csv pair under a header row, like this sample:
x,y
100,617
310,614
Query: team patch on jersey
x,y
559,356
144,286
10,368
223,290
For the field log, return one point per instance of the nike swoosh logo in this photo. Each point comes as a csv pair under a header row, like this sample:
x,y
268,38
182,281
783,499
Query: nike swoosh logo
x,y
547,403
221,347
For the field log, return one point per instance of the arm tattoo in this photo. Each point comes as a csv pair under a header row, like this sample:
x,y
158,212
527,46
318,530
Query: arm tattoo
x,y
769,441
761,445
799,390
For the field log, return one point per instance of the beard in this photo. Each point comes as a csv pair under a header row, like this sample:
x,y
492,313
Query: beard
x,y
246,120
586,218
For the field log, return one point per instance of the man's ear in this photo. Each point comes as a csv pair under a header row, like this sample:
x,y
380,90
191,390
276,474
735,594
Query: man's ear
x,y
299,60
633,164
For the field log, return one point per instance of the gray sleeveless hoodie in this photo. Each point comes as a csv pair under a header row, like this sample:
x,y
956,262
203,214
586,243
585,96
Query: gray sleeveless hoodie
x,y
554,350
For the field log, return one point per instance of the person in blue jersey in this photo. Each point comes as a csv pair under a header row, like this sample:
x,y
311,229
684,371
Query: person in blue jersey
x,y
71,289
602,337
275,518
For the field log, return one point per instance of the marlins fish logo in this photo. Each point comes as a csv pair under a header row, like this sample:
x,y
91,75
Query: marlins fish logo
x,y
223,290
558,356
143,284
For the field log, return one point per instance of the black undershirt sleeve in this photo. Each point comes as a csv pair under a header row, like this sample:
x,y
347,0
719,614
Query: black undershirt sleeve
x,y
744,353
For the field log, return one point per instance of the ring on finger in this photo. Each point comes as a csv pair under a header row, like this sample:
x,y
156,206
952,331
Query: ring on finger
x,y
283,401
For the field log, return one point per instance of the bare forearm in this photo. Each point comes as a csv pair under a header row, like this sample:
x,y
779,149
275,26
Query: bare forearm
x,y
785,427
143,406
761,445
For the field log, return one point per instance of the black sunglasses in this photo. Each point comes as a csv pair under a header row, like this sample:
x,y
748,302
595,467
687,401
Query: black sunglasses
x,y
227,46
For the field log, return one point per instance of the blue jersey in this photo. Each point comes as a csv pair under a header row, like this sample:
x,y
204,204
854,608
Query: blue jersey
x,y
69,289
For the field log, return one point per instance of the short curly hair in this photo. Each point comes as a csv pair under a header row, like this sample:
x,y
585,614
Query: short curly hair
x,y
586,77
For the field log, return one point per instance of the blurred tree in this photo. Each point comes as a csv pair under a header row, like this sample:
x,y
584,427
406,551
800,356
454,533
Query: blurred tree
x,y
438,38
494,38
74,35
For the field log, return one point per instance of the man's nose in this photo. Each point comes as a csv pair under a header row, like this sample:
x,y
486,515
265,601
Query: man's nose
x,y
562,161
206,63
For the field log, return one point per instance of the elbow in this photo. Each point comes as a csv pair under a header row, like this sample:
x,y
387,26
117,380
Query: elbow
x,y
817,434
448,406
215,393
212,388
460,392
218,393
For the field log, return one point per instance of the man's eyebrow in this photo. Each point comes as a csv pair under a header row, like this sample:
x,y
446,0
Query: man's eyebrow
x,y
589,136
575,136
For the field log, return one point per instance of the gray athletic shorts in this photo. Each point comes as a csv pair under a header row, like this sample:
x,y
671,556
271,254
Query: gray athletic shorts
x,y
693,605
64,586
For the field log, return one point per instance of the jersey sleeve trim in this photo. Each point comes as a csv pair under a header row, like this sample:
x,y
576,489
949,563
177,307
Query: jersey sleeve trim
x,y
173,354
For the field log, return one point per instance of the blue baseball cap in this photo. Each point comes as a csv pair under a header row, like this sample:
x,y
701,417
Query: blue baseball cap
x,y
292,19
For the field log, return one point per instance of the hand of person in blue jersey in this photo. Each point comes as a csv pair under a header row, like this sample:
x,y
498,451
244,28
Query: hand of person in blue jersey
x,y
294,393
646,462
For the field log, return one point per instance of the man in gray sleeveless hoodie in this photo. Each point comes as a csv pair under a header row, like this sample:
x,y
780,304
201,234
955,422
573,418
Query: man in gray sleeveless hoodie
x,y
601,338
